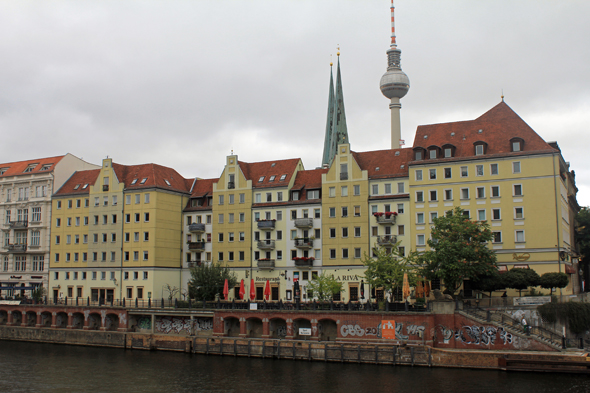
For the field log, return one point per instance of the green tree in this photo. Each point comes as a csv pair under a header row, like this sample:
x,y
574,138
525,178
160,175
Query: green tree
x,y
553,280
38,293
520,279
386,270
324,287
582,236
458,250
489,283
208,280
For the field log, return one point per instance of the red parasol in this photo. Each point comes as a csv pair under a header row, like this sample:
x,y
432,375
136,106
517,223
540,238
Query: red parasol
x,y
242,290
225,290
252,290
267,290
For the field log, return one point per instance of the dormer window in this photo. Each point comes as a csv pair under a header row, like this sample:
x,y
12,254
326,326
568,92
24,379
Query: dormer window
x,y
418,155
30,168
432,154
480,148
143,180
3,171
45,167
272,178
283,177
167,182
295,195
85,185
448,151
516,144
76,187
261,179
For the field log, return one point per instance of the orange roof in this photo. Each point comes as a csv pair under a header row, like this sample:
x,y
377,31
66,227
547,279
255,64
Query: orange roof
x,y
308,180
19,167
149,176
79,182
384,163
256,170
203,187
496,128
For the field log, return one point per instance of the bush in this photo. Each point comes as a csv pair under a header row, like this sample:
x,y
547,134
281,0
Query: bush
x,y
576,315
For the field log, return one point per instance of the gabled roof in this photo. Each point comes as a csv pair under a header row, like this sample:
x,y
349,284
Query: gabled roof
x,y
384,163
311,179
83,180
254,171
203,187
498,126
19,167
156,176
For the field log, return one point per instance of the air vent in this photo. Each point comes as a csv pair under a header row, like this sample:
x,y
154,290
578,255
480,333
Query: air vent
x,y
452,134
425,136
397,153
479,131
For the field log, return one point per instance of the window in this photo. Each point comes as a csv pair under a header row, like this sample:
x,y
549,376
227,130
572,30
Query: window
x,y
448,173
136,236
36,214
69,221
400,188
516,146
230,218
419,218
345,232
419,174
136,257
518,213
332,233
242,236
464,171
269,196
495,191
220,218
419,196
357,211
433,215
448,195
357,231
95,238
432,174
242,217
146,236
137,217
375,189
519,236
420,240
35,238
388,188
345,253
344,191
479,170
400,208
331,192
145,200
448,152
242,198
127,218
105,219
481,215
230,236
493,169
332,212
517,190
104,237
516,167
344,211
106,201
466,214
433,196
496,214
332,253
128,199
497,237
145,256
85,239
481,192
432,154
57,220
479,150
220,237
418,155
465,193
57,239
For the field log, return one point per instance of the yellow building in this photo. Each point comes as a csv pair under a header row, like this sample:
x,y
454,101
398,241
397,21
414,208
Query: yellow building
x,y
117,233
498,170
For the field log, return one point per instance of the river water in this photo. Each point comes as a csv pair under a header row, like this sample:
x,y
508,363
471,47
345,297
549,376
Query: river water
x,y
32,367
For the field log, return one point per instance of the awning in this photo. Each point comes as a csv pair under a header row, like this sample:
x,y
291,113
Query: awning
x,y
17,288
570,269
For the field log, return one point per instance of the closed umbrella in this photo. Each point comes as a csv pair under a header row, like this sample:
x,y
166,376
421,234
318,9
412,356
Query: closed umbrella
x,y
225,290
252,290
419,290
296,290
242,290
406,287
362,290
426,288
267,290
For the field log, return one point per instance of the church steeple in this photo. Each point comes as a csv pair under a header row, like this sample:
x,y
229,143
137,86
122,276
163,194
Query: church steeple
x,y
336,119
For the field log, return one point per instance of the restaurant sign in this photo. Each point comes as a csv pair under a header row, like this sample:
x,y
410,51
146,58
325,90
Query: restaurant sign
x,y
388,329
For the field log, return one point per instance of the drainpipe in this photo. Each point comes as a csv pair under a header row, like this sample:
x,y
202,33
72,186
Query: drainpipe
x,y
557,194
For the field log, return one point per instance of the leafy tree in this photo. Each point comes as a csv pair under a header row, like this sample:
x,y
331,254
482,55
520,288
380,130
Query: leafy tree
x,y
38,293
583,239
386,270
458,250
208,280
489,283
324,287
553,280
521,279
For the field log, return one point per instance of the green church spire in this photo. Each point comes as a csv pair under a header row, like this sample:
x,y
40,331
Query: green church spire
x,y
336,123
326,158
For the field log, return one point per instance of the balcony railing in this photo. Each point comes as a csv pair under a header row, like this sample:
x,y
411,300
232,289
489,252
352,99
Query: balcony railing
x,y
343,175
196,245
105,187
18,224
231,185
196,227
304,223
193,263
16,248
268,225
386,218
387,240
266,244
304,262
304,243
266,263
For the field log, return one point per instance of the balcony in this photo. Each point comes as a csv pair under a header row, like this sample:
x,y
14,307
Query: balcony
x,y
196,228
105,187
231,185
304,223
266,225
192,264
304,243
18,224
304,261
387,218
387,240
343,175
196,246
16,248
266,263
266,244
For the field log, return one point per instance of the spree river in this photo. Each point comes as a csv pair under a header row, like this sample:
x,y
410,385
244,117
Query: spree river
x,y
32,367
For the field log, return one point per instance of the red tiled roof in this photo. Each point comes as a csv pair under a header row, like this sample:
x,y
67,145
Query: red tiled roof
x,y
156,176
308,180
18,168
203,187
498,126
79,179
254,171
390,163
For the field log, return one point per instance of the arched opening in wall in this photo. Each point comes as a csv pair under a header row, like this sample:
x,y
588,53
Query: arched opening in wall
x,y
94,321
254,327
17,318
231,327
31,318
61,320
46,319
3,317
78,320
112,322
278,328
327,330
299,324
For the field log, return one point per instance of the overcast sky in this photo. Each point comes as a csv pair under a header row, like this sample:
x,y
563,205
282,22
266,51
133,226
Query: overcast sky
x,y
182,83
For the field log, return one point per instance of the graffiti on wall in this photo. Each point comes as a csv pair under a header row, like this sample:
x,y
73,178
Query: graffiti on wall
x,y
144,323
183,325
476,335
351,328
